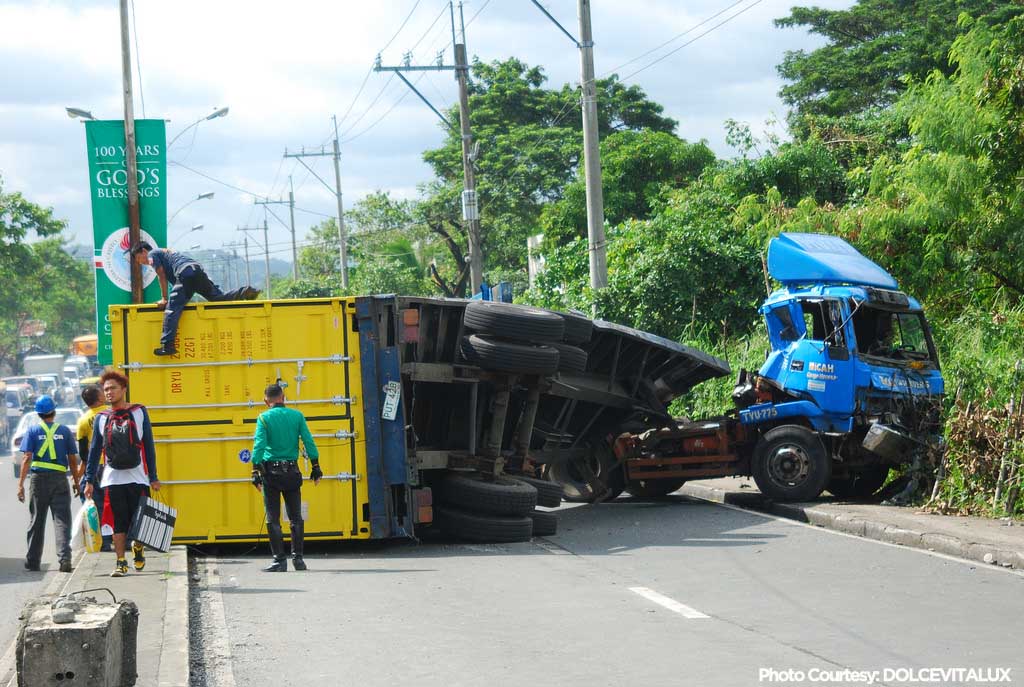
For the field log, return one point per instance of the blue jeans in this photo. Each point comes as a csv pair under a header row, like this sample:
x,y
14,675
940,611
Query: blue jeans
x,y
191,281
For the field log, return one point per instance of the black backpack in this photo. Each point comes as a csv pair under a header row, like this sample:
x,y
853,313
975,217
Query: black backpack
x,y
121,446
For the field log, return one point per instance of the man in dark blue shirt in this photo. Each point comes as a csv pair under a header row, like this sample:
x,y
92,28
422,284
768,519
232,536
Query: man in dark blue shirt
x,y
49,453
187,278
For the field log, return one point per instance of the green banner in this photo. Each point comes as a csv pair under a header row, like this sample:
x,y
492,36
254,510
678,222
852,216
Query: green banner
x,y
108,183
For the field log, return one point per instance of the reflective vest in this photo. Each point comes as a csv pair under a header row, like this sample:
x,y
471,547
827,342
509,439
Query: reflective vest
x,y
47,453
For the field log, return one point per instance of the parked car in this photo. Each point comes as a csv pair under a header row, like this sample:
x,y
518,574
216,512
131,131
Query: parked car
x,y
65,416
17,397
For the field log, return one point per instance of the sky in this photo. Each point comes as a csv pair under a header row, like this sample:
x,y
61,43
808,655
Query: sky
x,y
283,69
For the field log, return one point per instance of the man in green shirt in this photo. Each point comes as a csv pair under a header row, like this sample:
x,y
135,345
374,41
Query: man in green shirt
x,y
275,458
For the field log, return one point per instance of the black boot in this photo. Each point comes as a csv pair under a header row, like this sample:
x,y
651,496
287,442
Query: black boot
x,y
280,563
298,536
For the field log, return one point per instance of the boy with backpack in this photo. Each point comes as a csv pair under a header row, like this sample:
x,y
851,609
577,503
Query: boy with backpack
x,y
123,435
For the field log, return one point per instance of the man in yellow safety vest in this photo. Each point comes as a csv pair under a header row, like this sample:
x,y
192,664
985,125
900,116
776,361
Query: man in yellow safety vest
x,y
50,454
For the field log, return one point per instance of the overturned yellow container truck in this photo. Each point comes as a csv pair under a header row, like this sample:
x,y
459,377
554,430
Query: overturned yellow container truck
x,y
463,413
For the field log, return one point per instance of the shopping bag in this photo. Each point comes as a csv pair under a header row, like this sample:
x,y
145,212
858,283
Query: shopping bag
x,y
90,527
153,524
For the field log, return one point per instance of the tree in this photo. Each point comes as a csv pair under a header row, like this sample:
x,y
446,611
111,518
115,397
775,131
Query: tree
x,y
873,48
637,169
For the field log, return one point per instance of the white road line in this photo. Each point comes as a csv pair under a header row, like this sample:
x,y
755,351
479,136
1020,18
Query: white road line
x,y
670,604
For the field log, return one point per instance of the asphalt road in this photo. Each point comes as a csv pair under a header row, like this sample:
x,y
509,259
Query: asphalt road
x,y
17,584
673,592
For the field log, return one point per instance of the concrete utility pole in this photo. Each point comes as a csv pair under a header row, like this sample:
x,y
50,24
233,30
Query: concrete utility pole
x,y
342,236
266,255
592,153
291,205
470,208
134,220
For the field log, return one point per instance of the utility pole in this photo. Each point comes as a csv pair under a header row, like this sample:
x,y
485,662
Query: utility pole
x,y
291,205
592,153
134,221
591,145
266,255
342,237
470,208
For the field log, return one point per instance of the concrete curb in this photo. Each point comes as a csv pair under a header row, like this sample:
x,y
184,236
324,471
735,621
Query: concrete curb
x,y
174,660
868,529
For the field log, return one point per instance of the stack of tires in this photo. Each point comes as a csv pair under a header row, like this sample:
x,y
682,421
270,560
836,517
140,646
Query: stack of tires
x,y
498,510
520,339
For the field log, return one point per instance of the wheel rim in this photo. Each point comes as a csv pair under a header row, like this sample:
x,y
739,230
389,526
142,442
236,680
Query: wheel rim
x,y
789,465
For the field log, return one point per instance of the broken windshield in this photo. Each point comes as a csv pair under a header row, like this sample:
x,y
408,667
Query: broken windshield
x,y
900,336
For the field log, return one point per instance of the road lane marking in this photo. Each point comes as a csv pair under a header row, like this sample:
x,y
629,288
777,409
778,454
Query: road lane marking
x,y
670,604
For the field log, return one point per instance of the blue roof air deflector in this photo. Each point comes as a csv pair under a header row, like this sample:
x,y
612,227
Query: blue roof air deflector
x,y
819,258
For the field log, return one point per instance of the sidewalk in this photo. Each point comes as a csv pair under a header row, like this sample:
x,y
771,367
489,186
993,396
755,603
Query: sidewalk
x,y
161,594
995,542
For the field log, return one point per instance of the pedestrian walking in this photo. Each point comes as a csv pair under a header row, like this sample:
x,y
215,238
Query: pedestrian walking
x,y
186,278
122,437
49,454
275,460
92,396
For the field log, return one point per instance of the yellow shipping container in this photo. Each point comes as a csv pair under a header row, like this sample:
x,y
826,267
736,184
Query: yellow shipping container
x,y
204,401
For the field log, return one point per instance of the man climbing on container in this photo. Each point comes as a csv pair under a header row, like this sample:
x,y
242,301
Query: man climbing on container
x,y
275,458
187,278
92,396
49,454
123,436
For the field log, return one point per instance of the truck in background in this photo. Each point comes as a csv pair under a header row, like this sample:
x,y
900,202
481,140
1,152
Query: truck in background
x,y
851,387
48,364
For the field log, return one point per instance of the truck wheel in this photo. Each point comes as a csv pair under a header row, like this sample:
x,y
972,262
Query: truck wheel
x,y
570,358
544,524
482,528
859,484
504,356
653,488
791,464
578,329
515,322
549,494
503,496
571,475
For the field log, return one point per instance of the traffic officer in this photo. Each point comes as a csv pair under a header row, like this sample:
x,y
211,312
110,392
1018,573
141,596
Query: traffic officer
x,y
275,458
187,278
49,453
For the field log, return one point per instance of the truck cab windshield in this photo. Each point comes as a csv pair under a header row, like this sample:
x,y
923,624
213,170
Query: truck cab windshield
x,y
895,336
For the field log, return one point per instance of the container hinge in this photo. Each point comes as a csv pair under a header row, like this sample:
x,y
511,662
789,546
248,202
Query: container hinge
x,y
338,358
344,477
344,434
299,378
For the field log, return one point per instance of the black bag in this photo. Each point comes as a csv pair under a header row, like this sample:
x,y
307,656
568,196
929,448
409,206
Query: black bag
x,y
283,475
121,446
153,524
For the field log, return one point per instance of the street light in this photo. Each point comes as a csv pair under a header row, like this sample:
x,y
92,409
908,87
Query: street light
x,y
78,113
221,112
201,196
186,233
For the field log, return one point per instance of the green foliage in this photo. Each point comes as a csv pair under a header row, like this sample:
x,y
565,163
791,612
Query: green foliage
x,y
872,48
637,168
39,280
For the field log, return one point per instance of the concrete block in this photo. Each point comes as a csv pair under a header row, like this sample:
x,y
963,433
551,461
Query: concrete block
x,y
96,649
943,543
898,535
820,518
849,525
875,530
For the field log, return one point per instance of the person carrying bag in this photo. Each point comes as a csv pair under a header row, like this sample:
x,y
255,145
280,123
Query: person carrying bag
x,y
275,471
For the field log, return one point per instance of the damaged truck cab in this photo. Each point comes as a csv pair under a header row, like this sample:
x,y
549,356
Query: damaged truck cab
x,y
851,385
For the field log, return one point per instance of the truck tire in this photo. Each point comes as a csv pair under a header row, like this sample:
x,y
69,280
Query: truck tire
x,y
515,322
859,484
504,356
653,488
486,529
503,496
602,462
544,524
570,358
578,328
549,494
791,464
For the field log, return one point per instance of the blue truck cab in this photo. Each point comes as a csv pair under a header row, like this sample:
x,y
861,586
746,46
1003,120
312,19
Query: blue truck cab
x,y
851,385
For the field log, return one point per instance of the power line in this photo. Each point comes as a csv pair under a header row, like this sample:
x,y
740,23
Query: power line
x,y
692,40
406,21
240,189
